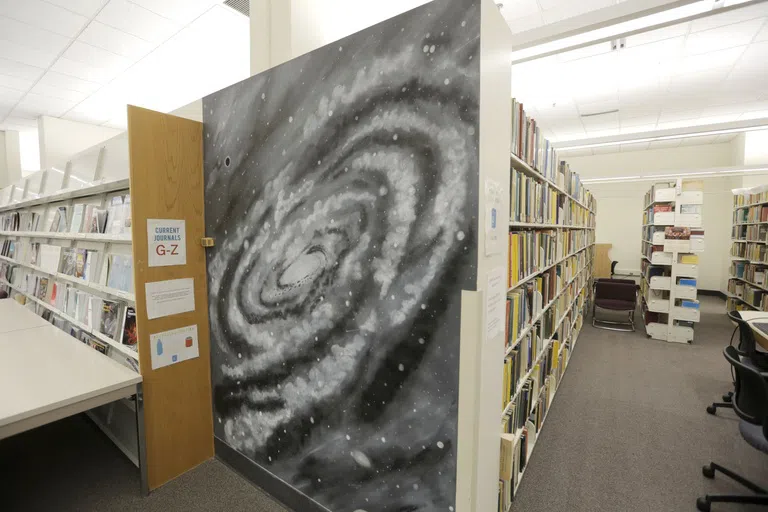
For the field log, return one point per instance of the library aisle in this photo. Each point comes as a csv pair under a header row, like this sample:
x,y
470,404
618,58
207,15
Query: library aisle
x,y
629,431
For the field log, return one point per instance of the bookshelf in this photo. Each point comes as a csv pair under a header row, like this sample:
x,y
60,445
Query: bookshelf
x,y
550,269
671,238
747,285
167,428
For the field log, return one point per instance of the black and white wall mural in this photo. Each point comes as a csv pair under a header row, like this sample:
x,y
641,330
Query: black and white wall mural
x,y
341,190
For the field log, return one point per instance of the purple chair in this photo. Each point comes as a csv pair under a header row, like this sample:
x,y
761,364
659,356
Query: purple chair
x,y
615,295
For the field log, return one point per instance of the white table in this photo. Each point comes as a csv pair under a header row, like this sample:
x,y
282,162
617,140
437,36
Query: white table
x,y
14,316
47,375
757,316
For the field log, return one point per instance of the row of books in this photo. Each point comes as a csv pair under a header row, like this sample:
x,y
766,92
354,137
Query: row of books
x,y
755,232
752,214
753,273
532,250
751,197
112,318
750,251
111,270
754,296
534,201
115,219
529,144
534,149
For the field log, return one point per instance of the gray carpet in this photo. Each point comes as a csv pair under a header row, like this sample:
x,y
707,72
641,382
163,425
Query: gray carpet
x,y
628,429
627,432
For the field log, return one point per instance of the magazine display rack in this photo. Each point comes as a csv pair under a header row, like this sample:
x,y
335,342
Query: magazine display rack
x,y
75,251
671,237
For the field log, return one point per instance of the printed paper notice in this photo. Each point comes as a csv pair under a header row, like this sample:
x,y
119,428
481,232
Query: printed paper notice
x,y
175,346
495,303
165,298
167,242
495,237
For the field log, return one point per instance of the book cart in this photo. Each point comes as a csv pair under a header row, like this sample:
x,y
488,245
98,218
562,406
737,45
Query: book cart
x,y
747,285
671,238
75,251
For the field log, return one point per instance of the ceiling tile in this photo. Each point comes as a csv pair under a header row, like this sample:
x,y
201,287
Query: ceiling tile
x,y
185,11
43,105
762,35
661,144
53,79
645,120
58,92
640,146
44,15
9,97
116,41
30,36
137,20
587,51
602,133
667,116
21,124
519,9
27,55
668,125
575,152
84,71
606,150
758,114
19,70
652,36
730,17
641,128
566,10
85,8
524,23
88,54
12,82
738,34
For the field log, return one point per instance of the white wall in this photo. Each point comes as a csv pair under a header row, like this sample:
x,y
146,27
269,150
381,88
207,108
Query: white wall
x,y
632,163
619,210
10,158
60,139
756,147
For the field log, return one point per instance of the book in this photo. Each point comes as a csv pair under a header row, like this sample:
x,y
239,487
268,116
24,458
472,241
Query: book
x,y
98,345
130,335
80,258
50,257
109,324
94,312
91,266
98,221
60,223
78,211
68,262
42,288
120,272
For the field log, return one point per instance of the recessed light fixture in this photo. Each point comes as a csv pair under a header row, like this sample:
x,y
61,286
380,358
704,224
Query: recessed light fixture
x,y
658,138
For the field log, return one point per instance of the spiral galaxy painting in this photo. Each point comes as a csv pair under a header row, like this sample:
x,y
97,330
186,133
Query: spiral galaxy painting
x,y
341,190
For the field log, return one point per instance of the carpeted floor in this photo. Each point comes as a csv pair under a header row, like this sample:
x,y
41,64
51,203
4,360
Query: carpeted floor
x,y
627,432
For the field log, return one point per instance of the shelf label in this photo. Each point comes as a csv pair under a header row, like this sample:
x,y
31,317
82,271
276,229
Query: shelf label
x,y
174,346
167,242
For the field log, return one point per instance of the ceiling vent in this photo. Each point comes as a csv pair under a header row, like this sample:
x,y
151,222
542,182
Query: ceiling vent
x,y
241,6
593,114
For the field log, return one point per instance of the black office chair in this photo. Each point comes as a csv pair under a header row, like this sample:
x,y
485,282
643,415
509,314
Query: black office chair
x,y
613,268
751,405
747,350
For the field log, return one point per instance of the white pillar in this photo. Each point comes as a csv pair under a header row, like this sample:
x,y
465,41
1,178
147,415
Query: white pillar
x,y
10,158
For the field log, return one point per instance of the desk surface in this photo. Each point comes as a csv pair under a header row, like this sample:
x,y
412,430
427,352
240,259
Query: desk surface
x,y
757,316
43,369
14,317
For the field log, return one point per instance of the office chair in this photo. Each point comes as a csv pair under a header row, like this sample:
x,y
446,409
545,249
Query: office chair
x,y
751,405
613,268
747,351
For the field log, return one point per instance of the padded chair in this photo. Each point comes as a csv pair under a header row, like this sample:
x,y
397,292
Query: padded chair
x,y
615,295
748,353
751,405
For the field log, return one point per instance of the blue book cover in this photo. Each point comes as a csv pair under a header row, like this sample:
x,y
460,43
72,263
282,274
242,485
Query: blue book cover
x,y
687,282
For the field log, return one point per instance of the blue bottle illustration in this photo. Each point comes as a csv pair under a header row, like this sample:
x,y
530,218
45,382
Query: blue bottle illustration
x,y
159,347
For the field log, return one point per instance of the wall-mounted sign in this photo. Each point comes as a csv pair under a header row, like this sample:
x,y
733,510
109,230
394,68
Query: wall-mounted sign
x,y
174,346
167,242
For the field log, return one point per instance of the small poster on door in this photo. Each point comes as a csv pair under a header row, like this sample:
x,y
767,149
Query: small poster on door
x,y
174,346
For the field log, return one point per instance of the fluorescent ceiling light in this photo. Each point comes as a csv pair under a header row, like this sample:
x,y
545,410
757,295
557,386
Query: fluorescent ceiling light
x,y
660,137
658,20
675,175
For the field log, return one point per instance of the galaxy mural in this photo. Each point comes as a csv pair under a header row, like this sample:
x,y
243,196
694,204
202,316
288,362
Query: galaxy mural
x,y
341,190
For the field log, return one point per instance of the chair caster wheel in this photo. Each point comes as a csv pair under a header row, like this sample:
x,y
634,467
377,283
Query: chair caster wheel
x,y
727,398
711,409
703,504
707,471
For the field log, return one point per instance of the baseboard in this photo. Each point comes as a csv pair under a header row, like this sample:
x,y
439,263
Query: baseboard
x,y
712,293
260,477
